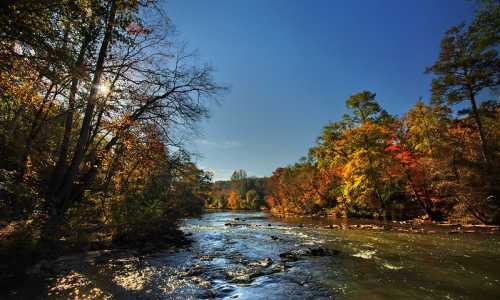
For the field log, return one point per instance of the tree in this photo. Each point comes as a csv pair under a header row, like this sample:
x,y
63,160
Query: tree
x,y
251,199
239,181
144,91
420,149
366,160
92,97
468,63
364,107
233,200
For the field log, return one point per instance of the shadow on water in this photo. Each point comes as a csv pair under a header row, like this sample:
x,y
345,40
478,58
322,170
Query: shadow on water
x,y
248,255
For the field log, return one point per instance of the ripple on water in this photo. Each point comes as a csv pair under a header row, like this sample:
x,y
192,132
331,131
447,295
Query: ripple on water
x,y
391,267
314,242
365,254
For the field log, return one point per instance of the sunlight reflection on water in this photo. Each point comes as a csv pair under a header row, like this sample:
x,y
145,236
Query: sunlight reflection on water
x,y
229,261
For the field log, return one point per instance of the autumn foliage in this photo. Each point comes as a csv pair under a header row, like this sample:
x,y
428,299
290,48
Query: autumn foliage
x,y
433,162
423,164
93,95
241,192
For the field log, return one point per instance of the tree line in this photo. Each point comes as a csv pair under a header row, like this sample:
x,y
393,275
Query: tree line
x,y
240,192
96,100
439,161
435,161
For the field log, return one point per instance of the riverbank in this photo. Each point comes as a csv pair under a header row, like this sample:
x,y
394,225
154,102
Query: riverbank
x,y
25,259
413,225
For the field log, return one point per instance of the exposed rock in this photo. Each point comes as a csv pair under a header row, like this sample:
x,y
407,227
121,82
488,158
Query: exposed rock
x,y
265,262
319,251
201,282
368,226
241,276
194,270
262,263
332,226
288,256
276,268
295,255
236,224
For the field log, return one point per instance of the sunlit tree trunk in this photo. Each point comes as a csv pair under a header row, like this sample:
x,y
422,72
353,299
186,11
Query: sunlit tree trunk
x,y
68,126
59,200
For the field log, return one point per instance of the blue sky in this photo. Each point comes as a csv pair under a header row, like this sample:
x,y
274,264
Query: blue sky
x,y
290,65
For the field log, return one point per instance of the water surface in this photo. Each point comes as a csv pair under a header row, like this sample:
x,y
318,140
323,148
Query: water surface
x,y
236,255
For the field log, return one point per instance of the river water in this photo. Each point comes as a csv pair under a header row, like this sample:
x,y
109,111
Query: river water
x,y
236,255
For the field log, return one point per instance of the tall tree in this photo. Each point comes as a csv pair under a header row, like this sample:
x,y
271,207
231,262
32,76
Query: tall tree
x,y
239,181
468,64
82,83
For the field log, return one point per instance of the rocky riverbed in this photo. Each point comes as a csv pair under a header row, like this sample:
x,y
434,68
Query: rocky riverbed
x,y
237,255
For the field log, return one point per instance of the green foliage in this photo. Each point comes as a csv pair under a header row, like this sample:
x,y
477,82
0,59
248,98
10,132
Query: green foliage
x,y
468,64
251,199
239,182
364,106
241,192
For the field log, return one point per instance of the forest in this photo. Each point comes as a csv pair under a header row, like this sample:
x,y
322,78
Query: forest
x,y
96,101
99,100
240,192
440,161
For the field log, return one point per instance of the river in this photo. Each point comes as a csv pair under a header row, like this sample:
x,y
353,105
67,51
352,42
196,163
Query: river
x,y
236,255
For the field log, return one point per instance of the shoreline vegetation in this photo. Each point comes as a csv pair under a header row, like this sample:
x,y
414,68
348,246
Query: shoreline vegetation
x,y
440,161
97,103
93,97
340,223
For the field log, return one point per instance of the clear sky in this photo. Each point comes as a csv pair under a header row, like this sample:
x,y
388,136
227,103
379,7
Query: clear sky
x,y
290,65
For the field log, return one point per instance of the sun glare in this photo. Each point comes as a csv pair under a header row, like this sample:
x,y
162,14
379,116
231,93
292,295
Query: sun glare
x,y
103,89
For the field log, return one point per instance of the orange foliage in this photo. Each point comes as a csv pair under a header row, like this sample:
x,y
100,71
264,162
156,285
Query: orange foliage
x,y
233,200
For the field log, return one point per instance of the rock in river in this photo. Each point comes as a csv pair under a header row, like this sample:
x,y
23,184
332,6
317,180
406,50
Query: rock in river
x,y
289,256
320,251
295,254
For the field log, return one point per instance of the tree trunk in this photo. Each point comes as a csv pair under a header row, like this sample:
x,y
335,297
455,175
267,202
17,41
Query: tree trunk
x,y
59,198
475,113
64,148
69,177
